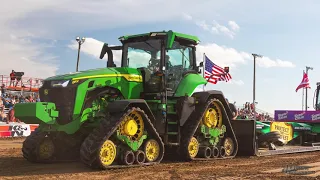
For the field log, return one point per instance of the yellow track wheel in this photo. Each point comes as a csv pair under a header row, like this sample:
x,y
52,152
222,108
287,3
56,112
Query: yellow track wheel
x,y
229,146
108,153
132,126
152,150
213,116
193,147
46,149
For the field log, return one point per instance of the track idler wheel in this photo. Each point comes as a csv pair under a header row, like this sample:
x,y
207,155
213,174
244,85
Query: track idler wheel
x,y
152,150
128,158
215,152
205,152
46,149
193,147
140,157
222,151
107,153
229,146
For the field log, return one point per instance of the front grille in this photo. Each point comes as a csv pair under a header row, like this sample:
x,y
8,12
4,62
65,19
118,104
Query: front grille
x,y
64,99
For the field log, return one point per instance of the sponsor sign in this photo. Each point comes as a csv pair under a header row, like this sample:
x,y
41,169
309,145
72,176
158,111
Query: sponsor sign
x,y
17,130
285,130
20,130
297,116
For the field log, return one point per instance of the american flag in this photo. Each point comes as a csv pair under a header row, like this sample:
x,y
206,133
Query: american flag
x,y
304,82
214,73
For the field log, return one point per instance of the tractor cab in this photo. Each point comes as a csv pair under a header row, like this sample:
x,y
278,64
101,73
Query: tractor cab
x,y
164,58
317,104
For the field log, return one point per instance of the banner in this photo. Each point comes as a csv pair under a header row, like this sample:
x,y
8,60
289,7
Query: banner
x,y
285,130
297,116
17,130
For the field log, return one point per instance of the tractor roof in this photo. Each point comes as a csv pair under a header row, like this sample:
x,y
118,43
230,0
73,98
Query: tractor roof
x,y
170,34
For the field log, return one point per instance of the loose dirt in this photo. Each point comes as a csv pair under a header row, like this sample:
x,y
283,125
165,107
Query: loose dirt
x,y
14,166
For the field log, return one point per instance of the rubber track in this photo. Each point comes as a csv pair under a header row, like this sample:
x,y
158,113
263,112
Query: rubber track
x,y
192,124
29,146
32,142
90,147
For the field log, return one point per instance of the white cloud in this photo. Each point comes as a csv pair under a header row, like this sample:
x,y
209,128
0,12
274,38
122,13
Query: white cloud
x,y
225,56
215,27
222,56
203,25
93,48
218,28
268,63
233,25
18,51
21,54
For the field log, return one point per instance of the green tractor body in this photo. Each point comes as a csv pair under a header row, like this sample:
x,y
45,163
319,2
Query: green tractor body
x,y
132,114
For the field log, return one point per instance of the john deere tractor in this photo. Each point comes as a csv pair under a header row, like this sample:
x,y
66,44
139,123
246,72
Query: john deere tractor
x,y
133,114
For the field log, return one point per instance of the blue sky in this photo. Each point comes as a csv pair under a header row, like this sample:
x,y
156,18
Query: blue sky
x,y
39,38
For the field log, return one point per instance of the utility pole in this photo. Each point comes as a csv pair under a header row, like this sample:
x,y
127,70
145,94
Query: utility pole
x,y
307,69
254,83
80,42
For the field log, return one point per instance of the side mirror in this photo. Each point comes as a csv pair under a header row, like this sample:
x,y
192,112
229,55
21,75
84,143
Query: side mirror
x,y
198,69
201,64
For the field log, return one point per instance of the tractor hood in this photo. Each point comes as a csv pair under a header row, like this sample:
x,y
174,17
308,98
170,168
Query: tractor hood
x,y
101,72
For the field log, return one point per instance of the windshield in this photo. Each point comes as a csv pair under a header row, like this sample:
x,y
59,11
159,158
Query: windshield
x,y
180,56
142,54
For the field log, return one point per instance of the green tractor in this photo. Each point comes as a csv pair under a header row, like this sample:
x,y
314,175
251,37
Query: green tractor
x,y
134,114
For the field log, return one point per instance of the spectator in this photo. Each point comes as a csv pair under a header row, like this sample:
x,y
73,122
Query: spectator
x,y
247,113
12,77
233,109
3,90
3,116
11,117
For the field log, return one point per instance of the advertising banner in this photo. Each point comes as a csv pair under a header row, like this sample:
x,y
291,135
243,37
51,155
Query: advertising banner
x,y
297,116
285,130
17,130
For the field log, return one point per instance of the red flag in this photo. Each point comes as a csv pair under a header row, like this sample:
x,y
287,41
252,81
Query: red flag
x,y
304,83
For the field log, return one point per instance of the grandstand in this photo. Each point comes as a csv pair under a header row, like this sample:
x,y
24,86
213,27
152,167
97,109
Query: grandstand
x,y
246,111
26,84
14,89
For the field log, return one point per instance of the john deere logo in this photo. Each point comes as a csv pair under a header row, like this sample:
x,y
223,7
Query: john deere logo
x,y
46,92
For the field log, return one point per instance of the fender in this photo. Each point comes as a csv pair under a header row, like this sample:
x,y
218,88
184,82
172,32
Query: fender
x,y
122,105
202,97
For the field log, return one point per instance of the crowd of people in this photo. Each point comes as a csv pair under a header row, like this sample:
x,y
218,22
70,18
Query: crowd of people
x,y
9,99
247,112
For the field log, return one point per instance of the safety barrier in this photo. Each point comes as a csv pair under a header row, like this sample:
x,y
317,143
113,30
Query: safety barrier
x,y
28,84
16,129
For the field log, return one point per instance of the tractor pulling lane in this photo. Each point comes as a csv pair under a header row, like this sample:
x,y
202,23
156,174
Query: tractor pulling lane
x,y
14,166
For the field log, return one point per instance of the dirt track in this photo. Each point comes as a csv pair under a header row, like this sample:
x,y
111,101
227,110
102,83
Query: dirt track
x,y
13,166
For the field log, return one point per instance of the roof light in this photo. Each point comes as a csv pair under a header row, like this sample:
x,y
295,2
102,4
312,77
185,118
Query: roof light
x,y
153,34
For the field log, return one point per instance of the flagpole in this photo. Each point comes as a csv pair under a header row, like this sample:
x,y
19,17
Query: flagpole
x,y
306,105
302,93
203,68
